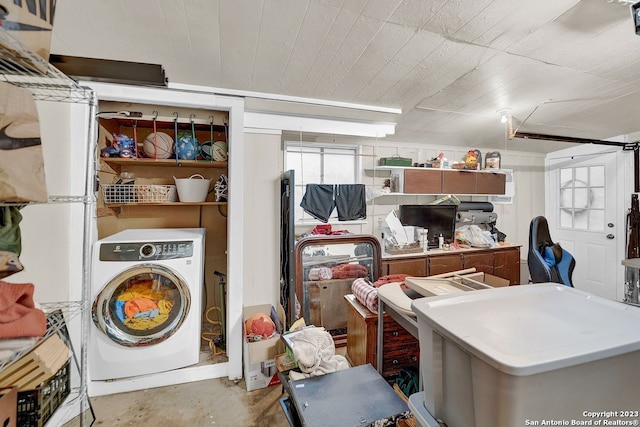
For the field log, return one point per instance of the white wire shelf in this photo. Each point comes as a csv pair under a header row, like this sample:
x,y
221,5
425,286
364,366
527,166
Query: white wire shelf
x,y
24,68
58,316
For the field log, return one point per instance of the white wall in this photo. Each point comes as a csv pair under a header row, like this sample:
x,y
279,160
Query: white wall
x,y
261,258
52,233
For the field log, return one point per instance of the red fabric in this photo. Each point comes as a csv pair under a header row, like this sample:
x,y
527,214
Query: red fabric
x,y
346,271
321,229
327,230
391,278
18,315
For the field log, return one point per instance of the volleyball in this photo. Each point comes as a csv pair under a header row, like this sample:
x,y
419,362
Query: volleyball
x,y
214,151
219,151
187,147
164,143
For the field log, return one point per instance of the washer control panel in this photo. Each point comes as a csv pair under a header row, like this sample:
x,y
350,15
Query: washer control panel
x,y
147,251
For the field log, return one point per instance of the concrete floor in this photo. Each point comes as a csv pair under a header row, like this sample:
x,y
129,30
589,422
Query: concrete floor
x,y
218,402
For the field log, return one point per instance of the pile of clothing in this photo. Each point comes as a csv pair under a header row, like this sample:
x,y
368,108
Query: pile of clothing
x,y
343,271
315,352
19,317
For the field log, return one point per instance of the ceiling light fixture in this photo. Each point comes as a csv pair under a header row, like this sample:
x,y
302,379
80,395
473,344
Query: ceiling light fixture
x,y
504,114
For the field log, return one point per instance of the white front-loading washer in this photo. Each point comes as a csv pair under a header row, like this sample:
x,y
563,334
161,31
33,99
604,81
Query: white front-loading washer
x,y
146,293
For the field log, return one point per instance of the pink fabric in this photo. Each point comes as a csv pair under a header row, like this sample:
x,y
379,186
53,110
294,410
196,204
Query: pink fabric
x,y
18,315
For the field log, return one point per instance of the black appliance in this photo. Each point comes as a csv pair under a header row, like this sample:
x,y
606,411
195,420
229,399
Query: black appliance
x,y
438,219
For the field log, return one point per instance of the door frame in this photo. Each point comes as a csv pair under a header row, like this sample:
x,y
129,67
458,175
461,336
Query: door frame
x,y
195,97
624,176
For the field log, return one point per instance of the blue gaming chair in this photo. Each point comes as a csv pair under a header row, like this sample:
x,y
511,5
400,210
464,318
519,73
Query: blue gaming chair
x,y
548,262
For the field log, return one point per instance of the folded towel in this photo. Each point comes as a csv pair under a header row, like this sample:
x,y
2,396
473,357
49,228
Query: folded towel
x,y
18,315
314,350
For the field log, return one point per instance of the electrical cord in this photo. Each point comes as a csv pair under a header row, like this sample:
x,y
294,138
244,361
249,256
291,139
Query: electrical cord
x,y
216,333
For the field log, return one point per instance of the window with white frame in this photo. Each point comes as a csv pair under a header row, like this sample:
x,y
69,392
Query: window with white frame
x,y
320,164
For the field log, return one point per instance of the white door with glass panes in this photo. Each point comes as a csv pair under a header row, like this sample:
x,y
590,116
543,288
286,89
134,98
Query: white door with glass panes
x,y
583,215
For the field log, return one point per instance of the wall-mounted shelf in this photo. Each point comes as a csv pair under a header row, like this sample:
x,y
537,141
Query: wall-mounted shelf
x,y
431,181
115,205
117,163
433,194
389,169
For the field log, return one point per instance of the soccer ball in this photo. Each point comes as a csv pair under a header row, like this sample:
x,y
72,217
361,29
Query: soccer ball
x,y
187,146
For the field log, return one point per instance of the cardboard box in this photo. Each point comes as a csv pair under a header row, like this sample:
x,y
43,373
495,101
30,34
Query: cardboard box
x,y
32,27
8,406
260,370
486,278
434,286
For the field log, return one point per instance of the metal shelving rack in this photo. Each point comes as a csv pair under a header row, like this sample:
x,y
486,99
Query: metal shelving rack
x,y
23,68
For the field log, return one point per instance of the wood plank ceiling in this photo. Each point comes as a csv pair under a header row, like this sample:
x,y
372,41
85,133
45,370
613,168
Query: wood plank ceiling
x,y
564,67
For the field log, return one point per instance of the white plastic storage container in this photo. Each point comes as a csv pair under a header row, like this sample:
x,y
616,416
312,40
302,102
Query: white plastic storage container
x,y
529,355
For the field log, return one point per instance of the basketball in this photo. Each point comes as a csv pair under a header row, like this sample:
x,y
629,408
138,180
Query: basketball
x,y
187,147
164,143
219,151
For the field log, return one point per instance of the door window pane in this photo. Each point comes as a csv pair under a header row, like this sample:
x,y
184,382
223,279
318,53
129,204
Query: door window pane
x,y
582,198
581,177
597,198
566,198
566,218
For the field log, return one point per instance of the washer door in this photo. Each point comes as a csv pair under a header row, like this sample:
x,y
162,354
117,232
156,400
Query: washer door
x,y
143,305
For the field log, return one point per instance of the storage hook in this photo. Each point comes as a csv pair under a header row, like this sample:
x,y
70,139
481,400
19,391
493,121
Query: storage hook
x,y
211,137
175,136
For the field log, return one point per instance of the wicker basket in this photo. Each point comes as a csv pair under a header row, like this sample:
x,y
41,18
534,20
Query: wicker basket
x,y
122,194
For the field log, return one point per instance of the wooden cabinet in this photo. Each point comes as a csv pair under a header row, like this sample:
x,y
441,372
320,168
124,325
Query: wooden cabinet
x,y
503,262
320,297
458,182
362,330
491,183
401,349
411,266
447,181
418,181
506,264
439,264
481,261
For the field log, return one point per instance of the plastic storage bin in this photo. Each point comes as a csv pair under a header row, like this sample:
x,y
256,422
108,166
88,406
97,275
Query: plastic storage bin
x,y
522,355
35,407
